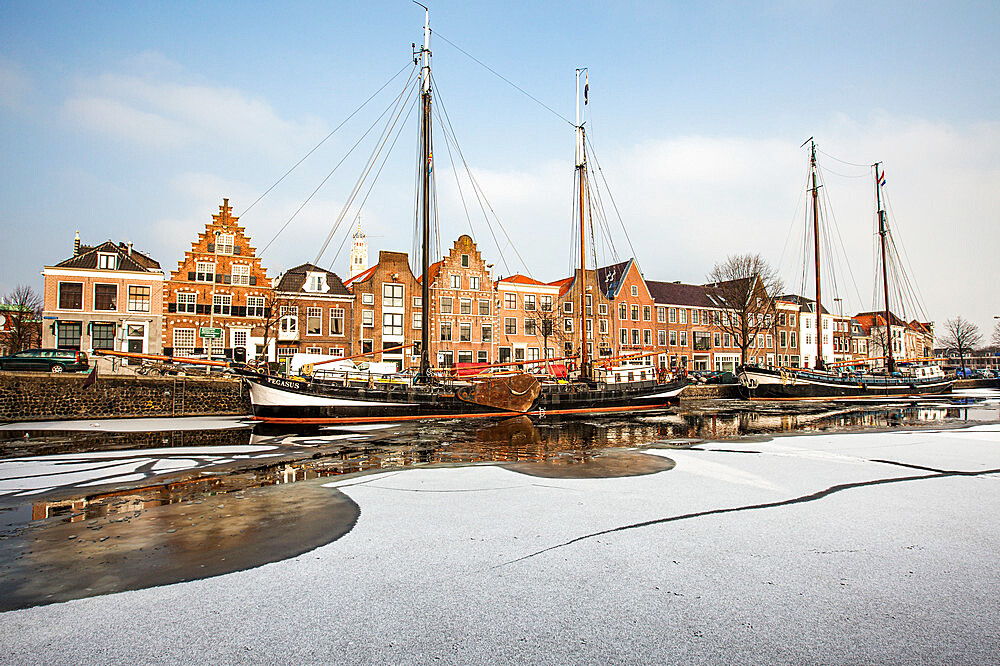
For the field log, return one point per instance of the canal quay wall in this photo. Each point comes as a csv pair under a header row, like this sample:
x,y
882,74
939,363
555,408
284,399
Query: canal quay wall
x,y
39,397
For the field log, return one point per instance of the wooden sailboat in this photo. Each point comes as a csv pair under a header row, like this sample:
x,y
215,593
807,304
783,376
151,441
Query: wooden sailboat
x,y
329,396
845,379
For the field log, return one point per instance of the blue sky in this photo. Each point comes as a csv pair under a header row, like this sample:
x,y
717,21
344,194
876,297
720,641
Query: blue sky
x,y
133,120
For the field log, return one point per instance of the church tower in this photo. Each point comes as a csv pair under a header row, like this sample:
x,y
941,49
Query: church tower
x,y
359,252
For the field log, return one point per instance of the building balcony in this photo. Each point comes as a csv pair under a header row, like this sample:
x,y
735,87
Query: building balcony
x,y
288,336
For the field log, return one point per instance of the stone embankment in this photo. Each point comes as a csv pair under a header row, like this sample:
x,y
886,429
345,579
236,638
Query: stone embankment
x,y
26,396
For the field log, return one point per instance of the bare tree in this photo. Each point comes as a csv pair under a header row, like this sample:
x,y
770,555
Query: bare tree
x,y
273,303
22,310
995,338
961,335
746,287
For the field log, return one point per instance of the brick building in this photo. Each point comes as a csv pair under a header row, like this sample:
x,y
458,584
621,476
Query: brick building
x,y
107,296
316,313
690,318
528,322
462,310
387,311
219,284
628,327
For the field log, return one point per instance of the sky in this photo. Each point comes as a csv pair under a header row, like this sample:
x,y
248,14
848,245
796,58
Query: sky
x,y
133,120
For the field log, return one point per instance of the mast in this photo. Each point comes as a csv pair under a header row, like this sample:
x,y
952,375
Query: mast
x,y
581,176
819,305
890,363
423,373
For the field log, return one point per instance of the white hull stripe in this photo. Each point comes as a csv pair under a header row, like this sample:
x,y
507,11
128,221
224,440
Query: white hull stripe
x,y
797,381
268,396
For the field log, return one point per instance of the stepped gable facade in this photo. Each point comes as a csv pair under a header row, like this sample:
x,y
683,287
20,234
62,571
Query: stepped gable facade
x,y
219,284
630,327
107,296
387,312
316,313
462,310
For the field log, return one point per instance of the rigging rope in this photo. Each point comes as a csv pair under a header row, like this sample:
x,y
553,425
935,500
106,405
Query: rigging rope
x,y
505,79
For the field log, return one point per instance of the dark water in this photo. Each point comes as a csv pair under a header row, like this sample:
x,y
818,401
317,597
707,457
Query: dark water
x,y
84,513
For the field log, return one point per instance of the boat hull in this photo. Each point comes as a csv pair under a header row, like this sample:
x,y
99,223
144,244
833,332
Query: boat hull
x,y
771,384
286,400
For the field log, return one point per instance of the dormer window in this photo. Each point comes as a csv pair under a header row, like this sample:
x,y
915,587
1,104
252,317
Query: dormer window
x,y
316,282
107,261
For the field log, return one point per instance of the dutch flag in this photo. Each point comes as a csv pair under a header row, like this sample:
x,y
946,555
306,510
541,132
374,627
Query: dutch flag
x,y
881,180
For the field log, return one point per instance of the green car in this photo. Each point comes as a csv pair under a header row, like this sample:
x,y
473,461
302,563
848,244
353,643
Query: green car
x,y
48,360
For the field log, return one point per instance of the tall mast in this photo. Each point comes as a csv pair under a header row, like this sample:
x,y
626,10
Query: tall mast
x,y
890,364
423,374
581,177
819,305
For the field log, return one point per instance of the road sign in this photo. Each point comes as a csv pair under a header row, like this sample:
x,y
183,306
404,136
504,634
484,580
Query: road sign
x,y
213,333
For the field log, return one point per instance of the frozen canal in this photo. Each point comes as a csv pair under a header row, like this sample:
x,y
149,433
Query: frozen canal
x,y
714,533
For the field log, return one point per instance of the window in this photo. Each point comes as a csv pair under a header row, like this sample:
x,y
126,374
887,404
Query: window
x,y
623,336
186,303
672,313
183,341
336,351
106,297
367,299
465,306
240,274
503,354
661,314
635,290
603,326
102,336
138,298
684,318
792,342
70,295
661,338
518,353
317,282
314,350
465,332
725,340
590,325
718,340
418,320
623,311
635,313
826,324
635,337
590,305
456,281
533,354
418,301
770,341
647,336
446,359
529,301
701,340
510,301
336,321
567,307
107,262
474,282
487,332
222,304
367,317
529,327
446,331
392,323
684,338
568,325
673,338
647,313
287,351
314,321
510,325
465,261
204,271
545,303
255,306
695,318
484,306
392,295
465,356
240,340
224,243
809,338
482,357
447,304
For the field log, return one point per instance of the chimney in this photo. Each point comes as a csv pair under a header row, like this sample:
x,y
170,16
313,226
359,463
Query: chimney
x,y
130,248
76,244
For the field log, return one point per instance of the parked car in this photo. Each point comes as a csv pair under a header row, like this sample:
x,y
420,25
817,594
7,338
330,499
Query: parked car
x,y
965,373
48,360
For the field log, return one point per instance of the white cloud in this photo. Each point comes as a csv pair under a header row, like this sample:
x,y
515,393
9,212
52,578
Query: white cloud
x,y
155,109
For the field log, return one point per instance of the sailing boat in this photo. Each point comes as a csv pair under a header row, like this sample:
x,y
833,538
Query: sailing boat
x,y
332,396
843,379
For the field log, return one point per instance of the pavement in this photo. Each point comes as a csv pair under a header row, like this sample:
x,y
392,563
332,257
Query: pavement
x,y
846,548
